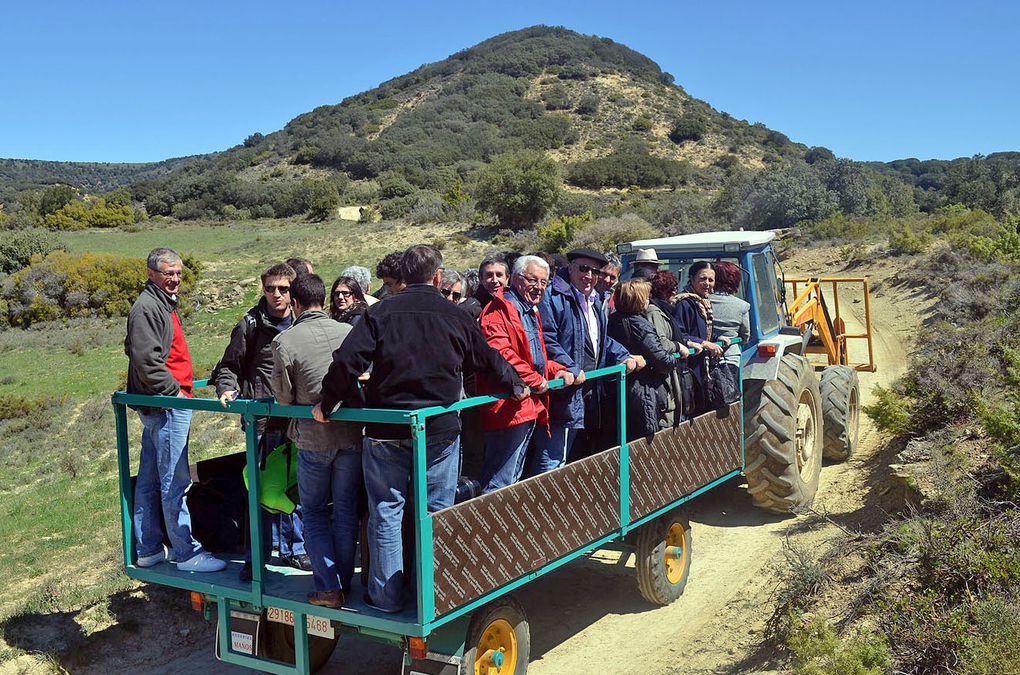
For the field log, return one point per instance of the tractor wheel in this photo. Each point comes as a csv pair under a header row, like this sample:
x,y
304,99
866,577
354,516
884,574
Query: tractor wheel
x,y
783,437
663,558
841,395
498,639
278,644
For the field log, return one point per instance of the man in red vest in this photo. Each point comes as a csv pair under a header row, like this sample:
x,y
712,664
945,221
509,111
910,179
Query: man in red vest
x,y
159,364
511,325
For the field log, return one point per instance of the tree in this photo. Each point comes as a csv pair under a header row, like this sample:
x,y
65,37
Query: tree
x,y
519,188
784,196
55,198
690,127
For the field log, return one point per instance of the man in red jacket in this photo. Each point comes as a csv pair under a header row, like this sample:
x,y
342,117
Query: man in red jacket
x,y
511,325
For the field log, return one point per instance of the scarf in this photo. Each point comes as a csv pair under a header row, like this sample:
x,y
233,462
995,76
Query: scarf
x,y
704,307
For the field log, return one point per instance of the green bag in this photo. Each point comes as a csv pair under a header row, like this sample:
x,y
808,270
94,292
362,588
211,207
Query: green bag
x,y
278,491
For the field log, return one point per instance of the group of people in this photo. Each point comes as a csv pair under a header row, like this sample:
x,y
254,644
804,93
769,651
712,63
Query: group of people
x,y
429,337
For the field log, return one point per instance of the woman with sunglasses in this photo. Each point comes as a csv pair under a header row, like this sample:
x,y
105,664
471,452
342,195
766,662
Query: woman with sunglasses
x,y
347,300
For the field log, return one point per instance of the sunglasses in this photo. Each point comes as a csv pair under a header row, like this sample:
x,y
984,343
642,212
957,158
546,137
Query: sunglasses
x,y
448,293
585,269
282,289
343,294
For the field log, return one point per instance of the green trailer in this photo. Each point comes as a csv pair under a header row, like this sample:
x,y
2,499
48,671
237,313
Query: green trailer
x,y
468,558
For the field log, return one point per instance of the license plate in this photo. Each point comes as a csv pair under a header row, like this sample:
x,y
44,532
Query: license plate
x,y
316,624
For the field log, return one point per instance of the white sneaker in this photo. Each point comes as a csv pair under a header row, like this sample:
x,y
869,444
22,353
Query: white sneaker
x,y
150,560
203,562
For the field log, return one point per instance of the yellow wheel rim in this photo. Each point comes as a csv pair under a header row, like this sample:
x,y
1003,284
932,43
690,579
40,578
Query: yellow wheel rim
x,y
497,649
676,553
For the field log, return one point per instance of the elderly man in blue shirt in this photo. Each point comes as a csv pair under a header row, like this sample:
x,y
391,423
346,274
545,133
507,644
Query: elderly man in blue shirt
x,y
574,328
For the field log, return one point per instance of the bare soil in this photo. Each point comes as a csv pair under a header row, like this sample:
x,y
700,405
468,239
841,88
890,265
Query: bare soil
x,y
586,616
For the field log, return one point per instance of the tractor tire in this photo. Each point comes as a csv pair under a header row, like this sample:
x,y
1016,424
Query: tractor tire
x,y
498,639
841,395
663,558
783,437
278,644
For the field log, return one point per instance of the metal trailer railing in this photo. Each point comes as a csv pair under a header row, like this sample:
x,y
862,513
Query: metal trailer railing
x,y
265,591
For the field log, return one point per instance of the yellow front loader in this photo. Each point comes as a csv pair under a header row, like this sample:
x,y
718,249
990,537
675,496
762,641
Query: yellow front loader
x,y
810,311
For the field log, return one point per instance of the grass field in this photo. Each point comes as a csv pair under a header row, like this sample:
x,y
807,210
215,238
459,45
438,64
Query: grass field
x,y
59,508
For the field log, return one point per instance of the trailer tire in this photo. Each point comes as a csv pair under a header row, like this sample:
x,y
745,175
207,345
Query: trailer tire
x,y
278,645
783,437
841,394
498,631
663,558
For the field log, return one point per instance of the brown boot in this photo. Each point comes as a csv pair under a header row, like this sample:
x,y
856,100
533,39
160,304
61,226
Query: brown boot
x,y
334,599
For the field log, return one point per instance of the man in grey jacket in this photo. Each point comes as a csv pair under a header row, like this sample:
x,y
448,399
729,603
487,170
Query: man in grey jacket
x,y
159,364
329,455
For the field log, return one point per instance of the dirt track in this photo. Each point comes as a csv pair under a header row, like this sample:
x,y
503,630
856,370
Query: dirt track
x,y
588,616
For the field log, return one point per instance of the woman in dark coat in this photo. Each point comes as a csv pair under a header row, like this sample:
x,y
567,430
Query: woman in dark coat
x,y
646,388
694,317
346,300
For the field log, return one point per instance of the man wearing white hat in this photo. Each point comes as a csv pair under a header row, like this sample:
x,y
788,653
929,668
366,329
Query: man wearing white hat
x,y
645,264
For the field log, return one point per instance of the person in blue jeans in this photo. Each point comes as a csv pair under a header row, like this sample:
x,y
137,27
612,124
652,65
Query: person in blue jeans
x,y
419,346
244,371
329,455
159,363
511,325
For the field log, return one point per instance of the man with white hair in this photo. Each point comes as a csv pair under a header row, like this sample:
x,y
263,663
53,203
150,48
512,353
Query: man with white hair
x,y
511,325
364,278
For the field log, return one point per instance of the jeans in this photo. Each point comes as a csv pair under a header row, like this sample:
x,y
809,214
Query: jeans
x,y
551,451
505,452
322,476
388,468
163,479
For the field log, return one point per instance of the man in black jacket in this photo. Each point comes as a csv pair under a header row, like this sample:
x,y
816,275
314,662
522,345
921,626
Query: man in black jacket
x,y
419,347
246,371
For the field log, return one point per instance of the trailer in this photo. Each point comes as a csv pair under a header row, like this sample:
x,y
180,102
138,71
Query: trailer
x,y
469,558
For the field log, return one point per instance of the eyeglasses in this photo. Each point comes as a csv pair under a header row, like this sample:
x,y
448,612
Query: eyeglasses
x,y
585,269
171,274
532,281
343,294
448,293
282,289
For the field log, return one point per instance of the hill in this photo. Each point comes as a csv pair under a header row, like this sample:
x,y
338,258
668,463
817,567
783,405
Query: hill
x,y
19,175
623,134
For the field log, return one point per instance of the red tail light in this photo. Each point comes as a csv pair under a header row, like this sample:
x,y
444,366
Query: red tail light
x,y
417,648
766,350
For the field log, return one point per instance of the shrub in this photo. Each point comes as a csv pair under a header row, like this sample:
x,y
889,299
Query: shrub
x,y
890,411
519,188
642,124
818,650
908,242
629,165
606,233
690,127
78,215
557,234
17,248
587,105
63,285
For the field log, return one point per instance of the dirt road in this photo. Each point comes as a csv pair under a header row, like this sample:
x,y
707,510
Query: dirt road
x,y
588,617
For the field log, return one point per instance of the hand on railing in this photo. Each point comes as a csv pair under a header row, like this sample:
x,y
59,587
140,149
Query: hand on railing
x,y
227,396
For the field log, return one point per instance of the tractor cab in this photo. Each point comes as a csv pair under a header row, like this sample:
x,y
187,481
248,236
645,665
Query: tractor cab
x,y
762,283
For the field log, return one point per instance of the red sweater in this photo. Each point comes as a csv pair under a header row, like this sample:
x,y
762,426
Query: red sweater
x,y
178,361
502,327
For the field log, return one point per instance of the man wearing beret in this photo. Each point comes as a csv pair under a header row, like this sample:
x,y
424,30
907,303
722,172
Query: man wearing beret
x,y
575,336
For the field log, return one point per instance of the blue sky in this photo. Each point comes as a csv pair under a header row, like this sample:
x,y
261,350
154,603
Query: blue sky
x,y
118,82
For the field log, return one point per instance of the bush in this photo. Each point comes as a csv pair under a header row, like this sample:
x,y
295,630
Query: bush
x,y
588,105
17,248
642,124
63,285
557,234
690,127
818,650
630,165
606,233
890,411
908,242
519,188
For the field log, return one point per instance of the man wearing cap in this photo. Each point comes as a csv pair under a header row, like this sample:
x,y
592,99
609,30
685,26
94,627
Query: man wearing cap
x,y
574,328
646,263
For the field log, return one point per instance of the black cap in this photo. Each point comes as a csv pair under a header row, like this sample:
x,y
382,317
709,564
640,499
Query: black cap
x,y
600,258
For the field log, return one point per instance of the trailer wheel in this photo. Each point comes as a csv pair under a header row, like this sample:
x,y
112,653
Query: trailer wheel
x,y
783,437
278,644
841,394
498,639
663,558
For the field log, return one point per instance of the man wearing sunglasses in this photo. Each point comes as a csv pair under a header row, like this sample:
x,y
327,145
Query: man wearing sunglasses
x,y
452,286
246,371
574,326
